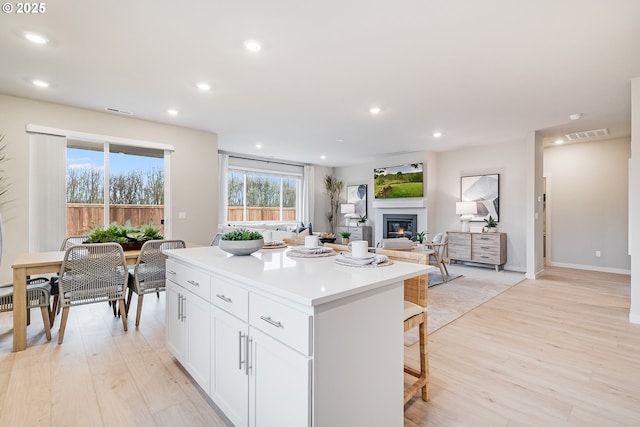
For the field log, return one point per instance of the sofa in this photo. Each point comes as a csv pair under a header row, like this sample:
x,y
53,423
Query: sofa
x,y
271,231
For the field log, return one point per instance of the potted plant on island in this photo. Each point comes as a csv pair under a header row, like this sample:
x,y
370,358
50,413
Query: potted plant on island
x,y
345,237
241,242
490,224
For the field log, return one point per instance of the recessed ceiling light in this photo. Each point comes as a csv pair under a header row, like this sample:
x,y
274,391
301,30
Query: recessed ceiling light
x,y
36,38
40,83
374,110
258,145
437,134
323,157
341,140
575,116
172,111
253,45
558,141
204,86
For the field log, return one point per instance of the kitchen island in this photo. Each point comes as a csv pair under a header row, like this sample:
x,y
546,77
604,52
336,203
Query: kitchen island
x,y
282,341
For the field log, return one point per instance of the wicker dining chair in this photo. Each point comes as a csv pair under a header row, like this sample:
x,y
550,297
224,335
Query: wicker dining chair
x,y
66,244
38,295
92,273
149,271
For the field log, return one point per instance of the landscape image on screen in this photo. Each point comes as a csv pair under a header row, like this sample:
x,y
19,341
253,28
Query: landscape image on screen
x,y
398,181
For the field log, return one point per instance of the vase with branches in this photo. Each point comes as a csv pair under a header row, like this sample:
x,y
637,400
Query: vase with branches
x,y
333,187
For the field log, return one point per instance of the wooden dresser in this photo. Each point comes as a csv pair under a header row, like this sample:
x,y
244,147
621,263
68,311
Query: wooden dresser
x,y
484,248
362,232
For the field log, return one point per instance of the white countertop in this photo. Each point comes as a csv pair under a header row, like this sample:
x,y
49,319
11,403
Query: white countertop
x,y
308,281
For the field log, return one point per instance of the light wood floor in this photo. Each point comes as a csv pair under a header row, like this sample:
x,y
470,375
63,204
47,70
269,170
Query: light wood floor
x,y
553,352
558,351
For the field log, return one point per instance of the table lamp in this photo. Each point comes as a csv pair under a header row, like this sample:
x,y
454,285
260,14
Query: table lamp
x,y
466,210
349,210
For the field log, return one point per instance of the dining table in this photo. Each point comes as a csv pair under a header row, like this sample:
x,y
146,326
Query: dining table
x,y
31,263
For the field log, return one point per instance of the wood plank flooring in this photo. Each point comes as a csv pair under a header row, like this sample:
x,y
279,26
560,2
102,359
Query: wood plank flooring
x,y
558,351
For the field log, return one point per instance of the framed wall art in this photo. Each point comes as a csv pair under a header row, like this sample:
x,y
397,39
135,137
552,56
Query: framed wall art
x,y
485,191
357,195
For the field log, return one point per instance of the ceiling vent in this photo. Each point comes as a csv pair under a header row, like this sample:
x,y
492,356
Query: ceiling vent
x,y
118,111
587,134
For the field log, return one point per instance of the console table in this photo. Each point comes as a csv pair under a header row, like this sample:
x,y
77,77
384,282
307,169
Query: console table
x,y
484,248
362,232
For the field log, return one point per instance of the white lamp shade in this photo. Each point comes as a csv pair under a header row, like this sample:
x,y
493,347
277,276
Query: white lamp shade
x,y
466,208
347,208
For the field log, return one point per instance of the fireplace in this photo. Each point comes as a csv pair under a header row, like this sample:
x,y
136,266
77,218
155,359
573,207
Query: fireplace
x,y
399,225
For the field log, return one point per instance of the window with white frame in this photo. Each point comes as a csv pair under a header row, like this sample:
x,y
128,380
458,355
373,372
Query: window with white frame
x,y
263,191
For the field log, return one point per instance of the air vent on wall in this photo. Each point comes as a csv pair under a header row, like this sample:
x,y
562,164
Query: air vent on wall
x,y
587,134
116,110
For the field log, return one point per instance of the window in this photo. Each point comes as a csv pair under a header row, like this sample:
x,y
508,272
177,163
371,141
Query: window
x,y
133,176
262,196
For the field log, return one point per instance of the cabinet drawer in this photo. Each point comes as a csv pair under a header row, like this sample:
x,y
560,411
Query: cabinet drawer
x,y
192,280
230,297
290,326
487,240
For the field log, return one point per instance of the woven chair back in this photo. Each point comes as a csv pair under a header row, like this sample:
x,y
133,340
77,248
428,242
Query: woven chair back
x,y
149,272
91,273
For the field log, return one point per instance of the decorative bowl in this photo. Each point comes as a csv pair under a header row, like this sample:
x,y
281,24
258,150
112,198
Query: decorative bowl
x,y
241,247
327,240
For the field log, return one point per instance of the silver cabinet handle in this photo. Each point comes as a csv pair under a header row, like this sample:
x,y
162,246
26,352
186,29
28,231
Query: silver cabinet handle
x,y
171,272
248,351
224,298
241,337
184,316
193,282
179,307
272,322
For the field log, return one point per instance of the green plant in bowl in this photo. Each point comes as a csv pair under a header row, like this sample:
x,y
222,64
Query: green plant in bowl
x,y
241,242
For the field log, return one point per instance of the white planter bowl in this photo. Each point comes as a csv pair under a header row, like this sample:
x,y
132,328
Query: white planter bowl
x,y
241,247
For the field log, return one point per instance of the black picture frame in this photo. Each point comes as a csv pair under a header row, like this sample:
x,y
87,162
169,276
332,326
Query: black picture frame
x,y
357,195
485,191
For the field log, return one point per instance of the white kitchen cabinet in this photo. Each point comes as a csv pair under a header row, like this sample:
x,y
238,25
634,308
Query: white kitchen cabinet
x,y
175,326
188,328
293,343
279,384
229,380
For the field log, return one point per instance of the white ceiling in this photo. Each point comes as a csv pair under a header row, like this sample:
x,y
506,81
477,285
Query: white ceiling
x,y
482,72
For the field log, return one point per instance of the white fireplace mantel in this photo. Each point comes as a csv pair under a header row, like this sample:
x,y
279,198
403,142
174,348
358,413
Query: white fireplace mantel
x,y
403,203
415,206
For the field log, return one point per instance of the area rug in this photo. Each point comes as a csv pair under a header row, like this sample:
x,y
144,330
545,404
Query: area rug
x,y
475,286
435,278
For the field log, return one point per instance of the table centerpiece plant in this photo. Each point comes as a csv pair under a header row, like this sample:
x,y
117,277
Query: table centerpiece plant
x,y
131,238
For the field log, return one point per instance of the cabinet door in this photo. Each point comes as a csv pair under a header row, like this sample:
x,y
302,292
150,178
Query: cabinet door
x,y
175,326
198,320
229,380
279,384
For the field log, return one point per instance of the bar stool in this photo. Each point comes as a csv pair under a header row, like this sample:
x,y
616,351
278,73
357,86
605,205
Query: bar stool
x,y
415,314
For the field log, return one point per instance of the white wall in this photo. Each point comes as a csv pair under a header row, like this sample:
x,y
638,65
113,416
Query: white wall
x,y
363,174
508,160
634,201
587,198
194,167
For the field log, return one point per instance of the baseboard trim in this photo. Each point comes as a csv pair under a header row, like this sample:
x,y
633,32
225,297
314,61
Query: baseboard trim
x,y
590,267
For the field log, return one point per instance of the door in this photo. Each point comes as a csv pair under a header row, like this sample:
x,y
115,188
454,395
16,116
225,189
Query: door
x,y
198,338
175,326
279,384
229,380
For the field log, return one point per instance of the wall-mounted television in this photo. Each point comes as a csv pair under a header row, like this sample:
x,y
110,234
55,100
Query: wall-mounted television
x,y
398,181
